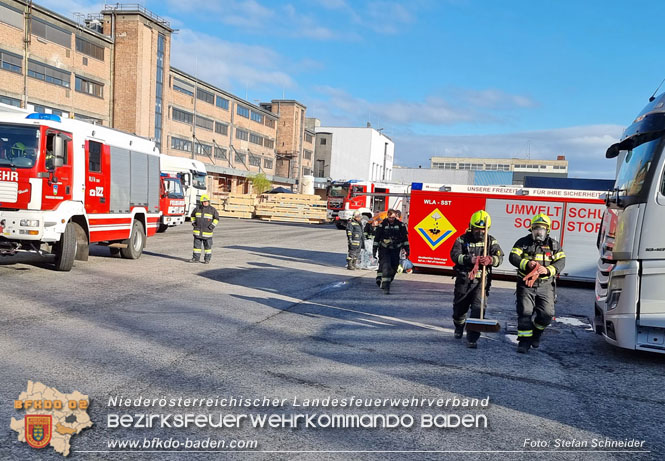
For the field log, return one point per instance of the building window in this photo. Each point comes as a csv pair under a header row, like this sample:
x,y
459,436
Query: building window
x,y
254,160
182,116
51,33
47,110
267,163
222,103
256,139
205,123
203,149
269,122
10,101
11,62
220,153
269,143
49,74
243,111
323,142
90,49
307,154
320,168
308,137
181,144
203,95
307,171
239,157
86,86
222,128
242,135
159,90
257,117
86,118
183,87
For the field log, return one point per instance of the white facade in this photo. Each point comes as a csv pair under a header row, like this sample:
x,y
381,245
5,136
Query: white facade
x,y
359,153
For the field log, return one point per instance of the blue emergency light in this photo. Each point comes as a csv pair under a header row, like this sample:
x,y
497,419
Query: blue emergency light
x,y
40,116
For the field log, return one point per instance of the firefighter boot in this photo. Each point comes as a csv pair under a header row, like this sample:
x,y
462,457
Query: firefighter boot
x,y
385,286
206,261
535,340
193,260
349,264
459,331
523,346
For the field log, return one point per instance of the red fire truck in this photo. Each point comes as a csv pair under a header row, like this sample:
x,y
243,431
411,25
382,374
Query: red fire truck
x,y
440,214
171,202
345,197
65,184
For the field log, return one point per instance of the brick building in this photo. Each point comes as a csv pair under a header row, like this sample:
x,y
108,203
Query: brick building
x,y
114,69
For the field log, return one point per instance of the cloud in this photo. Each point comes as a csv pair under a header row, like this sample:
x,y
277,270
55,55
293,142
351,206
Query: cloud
x,y
583,146
495,99
229,65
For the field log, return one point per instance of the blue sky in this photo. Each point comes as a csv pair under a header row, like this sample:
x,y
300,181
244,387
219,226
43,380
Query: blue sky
x,y
441,77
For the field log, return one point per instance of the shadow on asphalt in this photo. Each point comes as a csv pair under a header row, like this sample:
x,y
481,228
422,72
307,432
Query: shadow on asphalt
x,y
324,258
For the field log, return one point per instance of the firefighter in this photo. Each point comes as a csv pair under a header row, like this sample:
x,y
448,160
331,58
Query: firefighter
x,y
354,234
204,220
390,239
467,254
538,259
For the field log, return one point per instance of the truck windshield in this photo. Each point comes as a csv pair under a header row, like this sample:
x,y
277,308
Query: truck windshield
x,y
636,169
173,188
338,191
199,180
18,146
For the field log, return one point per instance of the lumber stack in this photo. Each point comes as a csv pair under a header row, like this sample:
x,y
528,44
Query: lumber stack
x,y
238,206
300,208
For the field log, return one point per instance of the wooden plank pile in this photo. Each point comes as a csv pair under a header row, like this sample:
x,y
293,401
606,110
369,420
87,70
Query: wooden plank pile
x,y
300,208
238,206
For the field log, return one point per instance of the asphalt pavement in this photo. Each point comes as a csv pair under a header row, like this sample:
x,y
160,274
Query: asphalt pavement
x,y
276,326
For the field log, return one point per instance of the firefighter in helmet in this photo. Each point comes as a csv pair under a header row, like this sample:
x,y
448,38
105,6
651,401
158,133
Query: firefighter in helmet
x,y
539,259
467,254
354,234
204,220
390,238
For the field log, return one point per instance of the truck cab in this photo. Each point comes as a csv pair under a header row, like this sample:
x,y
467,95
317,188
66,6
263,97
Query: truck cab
x,y
171,202
347,197
630,281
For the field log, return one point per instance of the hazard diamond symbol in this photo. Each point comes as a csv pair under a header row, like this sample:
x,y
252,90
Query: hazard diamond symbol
x,y
435,229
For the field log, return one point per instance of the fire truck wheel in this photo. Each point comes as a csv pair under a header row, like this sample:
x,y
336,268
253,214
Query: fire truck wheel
x,y
162,228
135,242
65,249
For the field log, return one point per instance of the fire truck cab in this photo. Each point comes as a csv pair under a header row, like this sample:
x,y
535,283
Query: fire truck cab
x,y
65,184
171,202
347,197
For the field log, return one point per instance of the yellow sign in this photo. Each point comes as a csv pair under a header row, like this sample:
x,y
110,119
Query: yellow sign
x,y
435,229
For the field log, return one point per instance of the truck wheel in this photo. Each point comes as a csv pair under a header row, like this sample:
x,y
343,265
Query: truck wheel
x,y
340,225
135,242
162,228
65,249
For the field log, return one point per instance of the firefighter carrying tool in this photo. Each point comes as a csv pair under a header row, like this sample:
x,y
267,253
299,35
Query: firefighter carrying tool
x,y
390,239
204,220
354,234
468,254
538,259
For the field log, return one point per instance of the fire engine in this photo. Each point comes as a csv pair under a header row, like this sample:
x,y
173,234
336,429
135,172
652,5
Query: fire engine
x,y
630,281
192,174
171,202
65,184
345,197
439,214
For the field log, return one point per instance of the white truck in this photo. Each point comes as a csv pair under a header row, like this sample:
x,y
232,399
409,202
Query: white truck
x,y
192,174
630,280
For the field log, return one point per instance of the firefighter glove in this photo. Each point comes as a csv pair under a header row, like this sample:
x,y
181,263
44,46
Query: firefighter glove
x,y
485,260
474,271
532,276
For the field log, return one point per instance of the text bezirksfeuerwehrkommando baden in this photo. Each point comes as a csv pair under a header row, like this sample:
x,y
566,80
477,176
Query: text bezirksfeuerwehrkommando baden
x,y
120,401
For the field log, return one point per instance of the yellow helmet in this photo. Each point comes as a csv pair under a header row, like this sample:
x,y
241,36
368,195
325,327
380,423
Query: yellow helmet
x,y
541,219
18,150
480,219
205,198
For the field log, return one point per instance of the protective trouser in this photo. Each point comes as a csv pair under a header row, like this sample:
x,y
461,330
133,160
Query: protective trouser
x,y
388,264
353,255
202,245
538,300
467,296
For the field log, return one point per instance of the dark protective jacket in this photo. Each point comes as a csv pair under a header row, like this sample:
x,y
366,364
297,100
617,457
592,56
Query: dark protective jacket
x,y
354,233
465,248
548,253
204,220
393,236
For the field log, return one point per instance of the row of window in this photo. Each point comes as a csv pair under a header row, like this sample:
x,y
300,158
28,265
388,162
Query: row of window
x,y
245,135
219,152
